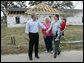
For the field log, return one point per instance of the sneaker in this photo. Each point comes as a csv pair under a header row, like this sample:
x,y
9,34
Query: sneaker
x,y
30,58
63,37
51,52
37,57
46,51
57,39
55,56
58,52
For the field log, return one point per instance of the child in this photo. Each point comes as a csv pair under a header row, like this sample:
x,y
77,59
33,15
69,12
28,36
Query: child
x,y
63,25
58,32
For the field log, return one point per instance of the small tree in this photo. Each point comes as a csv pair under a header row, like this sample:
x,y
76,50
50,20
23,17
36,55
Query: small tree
x,y
11,4
54,4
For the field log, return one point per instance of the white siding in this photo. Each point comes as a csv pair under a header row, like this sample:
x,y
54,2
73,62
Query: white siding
x,y
11,22
75,20
23,19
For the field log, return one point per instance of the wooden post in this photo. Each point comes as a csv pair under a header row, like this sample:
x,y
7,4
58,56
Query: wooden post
x,y
13,40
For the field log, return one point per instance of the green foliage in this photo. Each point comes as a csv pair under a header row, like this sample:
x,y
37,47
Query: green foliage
x,y
11,4
54,4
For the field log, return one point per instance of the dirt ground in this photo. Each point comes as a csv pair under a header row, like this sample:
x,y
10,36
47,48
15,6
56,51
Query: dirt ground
x,y
65,56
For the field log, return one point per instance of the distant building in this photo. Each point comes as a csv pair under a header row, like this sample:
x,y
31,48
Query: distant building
x,y
43,11
76,18
17,17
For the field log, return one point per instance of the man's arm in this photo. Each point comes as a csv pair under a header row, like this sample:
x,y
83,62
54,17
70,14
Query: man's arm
x,y
27,37
43,32
41,25
27,30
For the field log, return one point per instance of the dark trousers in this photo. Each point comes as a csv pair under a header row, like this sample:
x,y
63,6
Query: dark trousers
x,y
48,43
34,41
57,43
62,33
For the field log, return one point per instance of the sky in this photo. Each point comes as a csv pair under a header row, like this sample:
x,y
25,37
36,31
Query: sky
x,y
77,4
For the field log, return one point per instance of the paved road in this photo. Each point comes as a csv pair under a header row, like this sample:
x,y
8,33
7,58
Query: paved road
x,y
66,56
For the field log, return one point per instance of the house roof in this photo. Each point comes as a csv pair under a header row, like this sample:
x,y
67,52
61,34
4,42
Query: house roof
x,y
45,9
42,8
17,9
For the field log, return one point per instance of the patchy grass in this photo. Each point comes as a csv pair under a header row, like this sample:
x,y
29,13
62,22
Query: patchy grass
x,y
71,33
77,46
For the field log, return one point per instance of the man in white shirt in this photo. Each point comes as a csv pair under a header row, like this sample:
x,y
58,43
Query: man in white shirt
x,y
32,35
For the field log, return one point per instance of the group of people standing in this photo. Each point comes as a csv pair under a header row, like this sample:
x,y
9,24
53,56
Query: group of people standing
x,y
52,31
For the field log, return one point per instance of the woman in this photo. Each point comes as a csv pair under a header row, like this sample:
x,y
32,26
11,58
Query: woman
x,y
47,37
55,26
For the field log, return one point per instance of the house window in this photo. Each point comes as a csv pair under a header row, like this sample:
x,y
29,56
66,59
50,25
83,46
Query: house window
x,y
17,20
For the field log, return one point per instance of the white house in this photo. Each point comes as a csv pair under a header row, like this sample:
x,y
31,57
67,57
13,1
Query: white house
x,y
17,17
76,18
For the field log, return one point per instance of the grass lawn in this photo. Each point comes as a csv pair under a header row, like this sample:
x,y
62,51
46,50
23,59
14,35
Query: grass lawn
x,y
72,33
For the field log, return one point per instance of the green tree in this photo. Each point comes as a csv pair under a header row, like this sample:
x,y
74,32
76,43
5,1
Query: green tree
x,y
54,4
13,4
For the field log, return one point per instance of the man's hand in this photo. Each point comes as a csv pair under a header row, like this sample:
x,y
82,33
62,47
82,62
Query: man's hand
x,y
27,37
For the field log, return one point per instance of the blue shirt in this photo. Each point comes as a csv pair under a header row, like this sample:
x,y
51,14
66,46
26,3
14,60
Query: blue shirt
x,y
33,26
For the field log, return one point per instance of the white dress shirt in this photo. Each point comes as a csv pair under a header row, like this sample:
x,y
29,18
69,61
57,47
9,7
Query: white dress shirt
x,y
33,26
